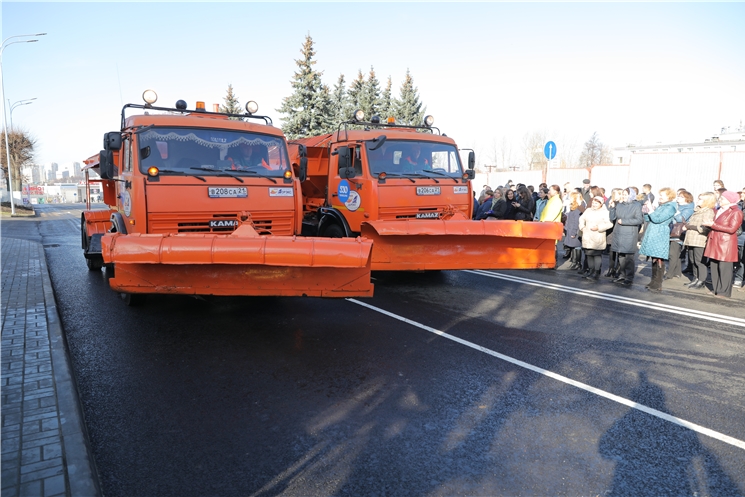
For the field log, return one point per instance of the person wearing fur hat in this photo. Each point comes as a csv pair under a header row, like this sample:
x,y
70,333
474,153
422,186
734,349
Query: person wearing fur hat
x,y
721,245
628,217
656,241
593,223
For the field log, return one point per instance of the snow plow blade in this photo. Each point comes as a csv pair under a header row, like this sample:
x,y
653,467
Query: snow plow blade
x,y
411,245
239,264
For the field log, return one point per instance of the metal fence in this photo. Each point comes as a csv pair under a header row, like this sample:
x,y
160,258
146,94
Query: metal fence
x,y
694,171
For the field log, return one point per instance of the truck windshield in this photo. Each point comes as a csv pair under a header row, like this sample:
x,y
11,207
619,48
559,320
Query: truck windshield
x,y
415,157
184,149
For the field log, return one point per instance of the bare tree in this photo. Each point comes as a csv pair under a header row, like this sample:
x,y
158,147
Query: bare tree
x,y
21,154
533,143
594,152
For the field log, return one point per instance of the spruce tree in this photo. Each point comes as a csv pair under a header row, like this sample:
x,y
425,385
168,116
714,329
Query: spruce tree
x,y
386,104
339,101
408,108
370,95
306,110
354,95
232,105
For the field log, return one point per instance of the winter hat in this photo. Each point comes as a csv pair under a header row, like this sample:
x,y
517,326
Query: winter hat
x,y
586,181
599,199
731,196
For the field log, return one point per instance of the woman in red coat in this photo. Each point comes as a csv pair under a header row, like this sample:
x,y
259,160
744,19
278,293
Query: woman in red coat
x,y
721,244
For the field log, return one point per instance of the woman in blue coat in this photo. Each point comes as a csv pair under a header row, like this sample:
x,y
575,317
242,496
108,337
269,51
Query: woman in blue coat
x,y
683,212
656,241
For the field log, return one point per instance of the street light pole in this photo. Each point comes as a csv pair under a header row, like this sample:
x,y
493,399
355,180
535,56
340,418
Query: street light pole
x,y
5,118
18,104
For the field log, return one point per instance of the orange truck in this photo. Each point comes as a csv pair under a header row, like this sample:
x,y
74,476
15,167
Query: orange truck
x,y
206,203
405,188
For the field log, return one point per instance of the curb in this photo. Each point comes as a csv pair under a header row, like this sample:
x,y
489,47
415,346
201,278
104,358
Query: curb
x,y
82,476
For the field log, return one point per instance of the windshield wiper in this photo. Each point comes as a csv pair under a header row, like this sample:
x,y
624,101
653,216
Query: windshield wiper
x,y
252,172
182,173
222,172
442,174
397,175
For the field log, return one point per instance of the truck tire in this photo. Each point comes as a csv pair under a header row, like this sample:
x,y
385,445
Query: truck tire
x,y
83,233
333,231
132,299
94,263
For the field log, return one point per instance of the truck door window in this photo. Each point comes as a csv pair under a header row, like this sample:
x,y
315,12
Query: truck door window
x,y
357,160
127,159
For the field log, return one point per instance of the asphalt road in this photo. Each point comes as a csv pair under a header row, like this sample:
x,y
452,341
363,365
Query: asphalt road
x,y
452,383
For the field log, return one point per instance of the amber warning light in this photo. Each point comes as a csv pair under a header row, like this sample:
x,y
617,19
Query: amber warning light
x,y
152,171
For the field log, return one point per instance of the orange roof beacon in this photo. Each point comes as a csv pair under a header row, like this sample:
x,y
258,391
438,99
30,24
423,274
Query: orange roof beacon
x,y
206,203
404,188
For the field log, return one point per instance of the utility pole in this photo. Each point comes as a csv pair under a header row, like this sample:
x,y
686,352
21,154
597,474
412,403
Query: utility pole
x,y
5,114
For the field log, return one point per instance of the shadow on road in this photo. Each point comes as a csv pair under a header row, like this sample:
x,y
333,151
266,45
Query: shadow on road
x,y
672,462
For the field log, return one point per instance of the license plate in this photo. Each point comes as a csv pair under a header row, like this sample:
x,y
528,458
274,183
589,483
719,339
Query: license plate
x,y
227,192
427,190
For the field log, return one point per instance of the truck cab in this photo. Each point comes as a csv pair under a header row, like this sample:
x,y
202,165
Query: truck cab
x,y
358,176
207,203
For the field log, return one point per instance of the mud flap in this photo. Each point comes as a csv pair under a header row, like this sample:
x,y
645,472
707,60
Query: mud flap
x,y
411,245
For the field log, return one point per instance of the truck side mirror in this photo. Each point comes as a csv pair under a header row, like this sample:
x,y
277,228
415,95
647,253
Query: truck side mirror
x,y
303,169
471,159
112,141
106,164
345,159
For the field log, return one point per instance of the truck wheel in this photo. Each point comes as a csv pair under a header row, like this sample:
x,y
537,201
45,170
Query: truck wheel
x,y
83,234
94,263
333,231
132,299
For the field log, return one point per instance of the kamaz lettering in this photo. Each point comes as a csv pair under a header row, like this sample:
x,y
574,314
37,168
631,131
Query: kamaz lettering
x,y
224,224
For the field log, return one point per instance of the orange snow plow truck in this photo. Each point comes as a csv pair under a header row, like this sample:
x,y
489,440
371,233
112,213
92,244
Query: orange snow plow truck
x,y
404,188
206,203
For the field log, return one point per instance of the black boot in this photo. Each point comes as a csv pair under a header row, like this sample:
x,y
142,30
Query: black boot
x,y
657,272
567,252
575,260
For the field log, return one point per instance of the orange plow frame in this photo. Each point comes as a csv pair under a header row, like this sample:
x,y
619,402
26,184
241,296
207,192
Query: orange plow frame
x,y
411,245
242,263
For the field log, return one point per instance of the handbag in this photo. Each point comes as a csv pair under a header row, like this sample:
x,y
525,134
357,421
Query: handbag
x,y
676,231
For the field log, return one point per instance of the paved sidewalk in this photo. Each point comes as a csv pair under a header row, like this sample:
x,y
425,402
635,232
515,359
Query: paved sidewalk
x,y
44,446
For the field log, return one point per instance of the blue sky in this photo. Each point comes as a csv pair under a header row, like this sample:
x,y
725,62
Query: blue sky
x,y
486,71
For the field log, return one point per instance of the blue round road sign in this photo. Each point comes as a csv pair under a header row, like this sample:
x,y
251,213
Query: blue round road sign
x,y
550,150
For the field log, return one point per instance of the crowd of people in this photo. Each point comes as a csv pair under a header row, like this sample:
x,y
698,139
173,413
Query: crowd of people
x,y
667,228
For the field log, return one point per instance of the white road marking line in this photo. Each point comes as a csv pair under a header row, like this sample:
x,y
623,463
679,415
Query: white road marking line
x,y
602,393
719,318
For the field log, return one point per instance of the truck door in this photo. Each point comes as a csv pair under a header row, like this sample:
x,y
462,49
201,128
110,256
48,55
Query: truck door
x,y
347,191
125,198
